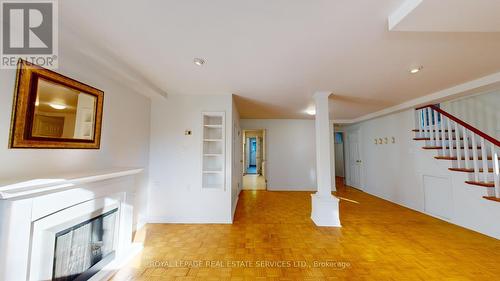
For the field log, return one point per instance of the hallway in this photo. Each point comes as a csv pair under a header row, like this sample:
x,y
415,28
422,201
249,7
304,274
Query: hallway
x,y
378,241
254,182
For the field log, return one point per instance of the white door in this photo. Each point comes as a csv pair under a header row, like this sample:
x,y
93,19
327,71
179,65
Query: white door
x,y
354,160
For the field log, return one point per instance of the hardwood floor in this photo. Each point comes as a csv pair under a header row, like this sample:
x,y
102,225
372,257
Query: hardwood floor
x,y
378,241
254,182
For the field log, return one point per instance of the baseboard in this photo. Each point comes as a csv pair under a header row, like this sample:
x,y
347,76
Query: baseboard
x,y
183,220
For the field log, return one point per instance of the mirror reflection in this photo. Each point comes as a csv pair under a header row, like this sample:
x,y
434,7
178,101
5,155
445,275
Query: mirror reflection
x,y
63,112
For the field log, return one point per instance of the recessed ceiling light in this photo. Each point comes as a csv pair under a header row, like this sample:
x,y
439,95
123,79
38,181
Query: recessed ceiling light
x,y
311,111
416,69
57,106
199,61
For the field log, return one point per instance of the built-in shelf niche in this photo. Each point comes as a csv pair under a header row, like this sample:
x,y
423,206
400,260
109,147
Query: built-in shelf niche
x,y
213,160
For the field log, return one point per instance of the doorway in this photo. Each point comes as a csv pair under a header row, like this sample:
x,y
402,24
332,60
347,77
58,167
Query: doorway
x,y
254,160
252,156
339,155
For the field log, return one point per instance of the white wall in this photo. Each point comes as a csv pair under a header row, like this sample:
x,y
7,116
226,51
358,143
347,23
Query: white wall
x,y
237,156
396,172
125,132
290,152
175,193
481,111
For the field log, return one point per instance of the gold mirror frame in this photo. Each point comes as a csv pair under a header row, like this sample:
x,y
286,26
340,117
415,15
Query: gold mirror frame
x,y
25,95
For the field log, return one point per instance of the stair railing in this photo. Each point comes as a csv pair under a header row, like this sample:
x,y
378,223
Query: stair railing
x,y
446,133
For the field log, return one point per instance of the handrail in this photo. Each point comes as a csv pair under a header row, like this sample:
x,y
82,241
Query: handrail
x,y
467,126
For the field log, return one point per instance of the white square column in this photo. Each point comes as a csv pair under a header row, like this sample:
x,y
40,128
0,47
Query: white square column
x,y
325,207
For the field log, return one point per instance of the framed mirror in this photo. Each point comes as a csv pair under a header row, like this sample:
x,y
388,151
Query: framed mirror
x,y
53,111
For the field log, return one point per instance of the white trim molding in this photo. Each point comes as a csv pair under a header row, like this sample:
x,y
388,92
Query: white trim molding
x,y
23,188
402,12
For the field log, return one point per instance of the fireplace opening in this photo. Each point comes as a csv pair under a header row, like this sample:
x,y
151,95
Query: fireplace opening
x,y
82,250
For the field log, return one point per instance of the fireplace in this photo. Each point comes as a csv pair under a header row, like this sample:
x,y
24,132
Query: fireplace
x,y
76,243
68,227
83,249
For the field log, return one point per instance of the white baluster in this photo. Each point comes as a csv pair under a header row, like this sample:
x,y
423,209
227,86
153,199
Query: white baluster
x,y
496,170
457,141
443,135
429,125
475,158
416,118
417,127
484,155
466,148
424,112
450,138
421,133
436,129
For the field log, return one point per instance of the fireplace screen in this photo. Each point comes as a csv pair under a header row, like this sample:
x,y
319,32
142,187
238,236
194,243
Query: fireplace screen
x,y
82,250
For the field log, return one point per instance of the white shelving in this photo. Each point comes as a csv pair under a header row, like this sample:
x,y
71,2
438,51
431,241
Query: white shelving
x,y
213,160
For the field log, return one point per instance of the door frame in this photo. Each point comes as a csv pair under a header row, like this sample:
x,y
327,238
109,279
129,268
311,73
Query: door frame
x,y
263,149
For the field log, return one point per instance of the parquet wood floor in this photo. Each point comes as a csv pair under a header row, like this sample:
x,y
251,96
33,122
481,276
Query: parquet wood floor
x,y
378,241
254,182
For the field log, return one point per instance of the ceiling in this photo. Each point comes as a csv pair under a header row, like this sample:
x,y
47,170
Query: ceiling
x,y
50,93
447,16
273,55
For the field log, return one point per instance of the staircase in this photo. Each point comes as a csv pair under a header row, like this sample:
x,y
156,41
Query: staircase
x,y
468,149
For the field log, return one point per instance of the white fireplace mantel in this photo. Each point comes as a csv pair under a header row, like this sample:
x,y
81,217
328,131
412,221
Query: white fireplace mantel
x,y
25,202
25,188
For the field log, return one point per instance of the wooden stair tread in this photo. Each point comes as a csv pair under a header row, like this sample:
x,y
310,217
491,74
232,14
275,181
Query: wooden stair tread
x,y
490,170
417,130
463,147
455,158
482,183
445,158
427,139
492,198
440,147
